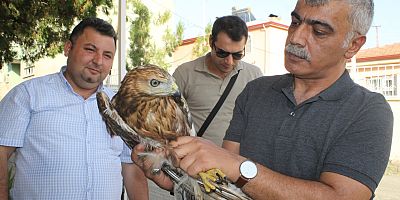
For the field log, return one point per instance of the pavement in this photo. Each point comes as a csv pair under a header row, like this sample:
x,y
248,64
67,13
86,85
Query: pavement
x,y
388,188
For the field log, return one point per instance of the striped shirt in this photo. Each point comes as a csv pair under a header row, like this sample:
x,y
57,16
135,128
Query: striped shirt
x,y
63,148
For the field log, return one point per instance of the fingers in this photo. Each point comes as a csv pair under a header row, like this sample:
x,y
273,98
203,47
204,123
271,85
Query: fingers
x,y
181,141
200,155
195,154
143,160
135,152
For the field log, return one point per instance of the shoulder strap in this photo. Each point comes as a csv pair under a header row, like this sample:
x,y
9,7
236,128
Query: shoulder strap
x,y
217,106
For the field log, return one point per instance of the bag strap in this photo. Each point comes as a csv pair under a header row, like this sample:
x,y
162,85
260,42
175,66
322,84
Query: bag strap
x,y
217,106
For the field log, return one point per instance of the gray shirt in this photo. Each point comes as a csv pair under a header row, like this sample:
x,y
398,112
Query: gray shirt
x,y
202,89
346,129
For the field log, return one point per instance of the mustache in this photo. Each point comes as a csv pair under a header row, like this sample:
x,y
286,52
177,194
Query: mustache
x,y
298,51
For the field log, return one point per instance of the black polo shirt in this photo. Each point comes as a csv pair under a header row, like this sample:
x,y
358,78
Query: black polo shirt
x,y
345,129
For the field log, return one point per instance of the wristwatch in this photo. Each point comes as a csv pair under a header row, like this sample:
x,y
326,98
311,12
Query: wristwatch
x,y
248,170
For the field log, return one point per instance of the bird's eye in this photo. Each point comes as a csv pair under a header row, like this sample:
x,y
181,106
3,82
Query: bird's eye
x,y
154,82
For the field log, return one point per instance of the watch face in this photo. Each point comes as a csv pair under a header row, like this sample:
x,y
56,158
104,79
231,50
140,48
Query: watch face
x,y
248,169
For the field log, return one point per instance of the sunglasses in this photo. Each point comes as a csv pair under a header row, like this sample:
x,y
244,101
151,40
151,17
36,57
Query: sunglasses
x,y
223,54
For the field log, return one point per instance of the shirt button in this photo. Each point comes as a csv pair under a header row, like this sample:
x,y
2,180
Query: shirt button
x,y
292,114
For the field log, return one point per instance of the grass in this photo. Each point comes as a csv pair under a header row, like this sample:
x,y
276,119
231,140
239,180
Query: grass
x,y
393,168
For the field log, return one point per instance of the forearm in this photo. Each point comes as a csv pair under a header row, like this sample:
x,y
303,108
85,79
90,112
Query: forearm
x,y
135,182
272,185
5,153
3,178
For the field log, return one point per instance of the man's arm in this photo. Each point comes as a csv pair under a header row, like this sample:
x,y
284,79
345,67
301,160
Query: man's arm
x,y
268,184
231,146
135,182
5,153
330,186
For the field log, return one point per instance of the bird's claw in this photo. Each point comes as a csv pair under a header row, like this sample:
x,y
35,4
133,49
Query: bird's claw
x,y
155,171
211,178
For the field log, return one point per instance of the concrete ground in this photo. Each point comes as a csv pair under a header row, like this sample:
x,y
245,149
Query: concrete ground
x,y
389,188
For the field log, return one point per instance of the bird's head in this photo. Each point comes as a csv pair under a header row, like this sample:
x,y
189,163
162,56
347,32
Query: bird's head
x,y
151,80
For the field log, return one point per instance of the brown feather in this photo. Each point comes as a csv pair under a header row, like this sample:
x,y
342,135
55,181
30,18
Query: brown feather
x,y
159,117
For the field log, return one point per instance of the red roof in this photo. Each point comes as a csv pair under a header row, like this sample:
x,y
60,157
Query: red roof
x,y
391,51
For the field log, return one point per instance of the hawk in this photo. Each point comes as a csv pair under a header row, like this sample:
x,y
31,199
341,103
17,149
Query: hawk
x,y
149,109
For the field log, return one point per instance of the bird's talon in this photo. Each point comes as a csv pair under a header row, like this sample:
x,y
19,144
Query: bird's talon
x,y
209,179
155,171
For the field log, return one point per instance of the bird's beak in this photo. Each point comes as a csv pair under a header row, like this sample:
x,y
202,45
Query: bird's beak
x,y
175,88
177,94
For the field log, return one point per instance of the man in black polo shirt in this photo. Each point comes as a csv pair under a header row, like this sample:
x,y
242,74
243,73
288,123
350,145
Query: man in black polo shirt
x,y
309,134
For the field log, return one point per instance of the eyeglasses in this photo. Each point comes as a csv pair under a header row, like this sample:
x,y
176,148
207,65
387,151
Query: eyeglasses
x,y
223,54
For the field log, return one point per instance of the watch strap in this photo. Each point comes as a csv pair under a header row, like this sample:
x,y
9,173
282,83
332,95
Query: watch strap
x,y
241,181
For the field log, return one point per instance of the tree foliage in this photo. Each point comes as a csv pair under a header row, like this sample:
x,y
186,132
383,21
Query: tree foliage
x,y
143,48
30,30
201,45
139,34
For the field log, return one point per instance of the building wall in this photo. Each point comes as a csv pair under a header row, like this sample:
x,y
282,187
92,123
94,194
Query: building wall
x,y
181,55
395,152
8,79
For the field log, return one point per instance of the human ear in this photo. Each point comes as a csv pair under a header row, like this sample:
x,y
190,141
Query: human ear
x,y
67,47
354,46
210,40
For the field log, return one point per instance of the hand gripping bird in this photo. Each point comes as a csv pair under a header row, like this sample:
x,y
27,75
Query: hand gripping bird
x,y
149,109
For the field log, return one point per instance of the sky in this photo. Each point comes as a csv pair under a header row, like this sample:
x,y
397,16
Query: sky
x,y
196,14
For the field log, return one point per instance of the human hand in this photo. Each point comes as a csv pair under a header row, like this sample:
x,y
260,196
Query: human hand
x,y
161,179
199,155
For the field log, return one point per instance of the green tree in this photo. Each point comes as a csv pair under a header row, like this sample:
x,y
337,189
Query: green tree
x,y
143,49
139,34
201,45
30,30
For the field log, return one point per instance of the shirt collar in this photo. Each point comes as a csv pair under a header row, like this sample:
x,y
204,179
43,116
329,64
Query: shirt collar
x,y
339,88
334,92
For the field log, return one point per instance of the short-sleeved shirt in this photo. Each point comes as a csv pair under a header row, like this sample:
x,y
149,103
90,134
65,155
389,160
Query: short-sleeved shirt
x,y
345,129
202,89
63,148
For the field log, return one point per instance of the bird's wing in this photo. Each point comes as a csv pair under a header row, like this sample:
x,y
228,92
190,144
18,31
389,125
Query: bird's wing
x,y
115,124
183,106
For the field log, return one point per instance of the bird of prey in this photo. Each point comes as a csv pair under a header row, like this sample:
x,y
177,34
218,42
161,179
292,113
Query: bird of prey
x,y
149,109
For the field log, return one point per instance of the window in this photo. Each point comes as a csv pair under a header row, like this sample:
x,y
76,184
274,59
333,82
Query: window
x,y
15,68
383,79
29,71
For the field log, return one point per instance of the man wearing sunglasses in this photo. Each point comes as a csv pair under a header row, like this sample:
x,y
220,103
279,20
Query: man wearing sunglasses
x,y
202,81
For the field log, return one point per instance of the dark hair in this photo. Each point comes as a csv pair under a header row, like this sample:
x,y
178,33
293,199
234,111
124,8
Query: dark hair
x,y
98,24
232,25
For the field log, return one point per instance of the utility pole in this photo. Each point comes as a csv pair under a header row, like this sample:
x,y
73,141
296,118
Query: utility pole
x,y
121,41
377,35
